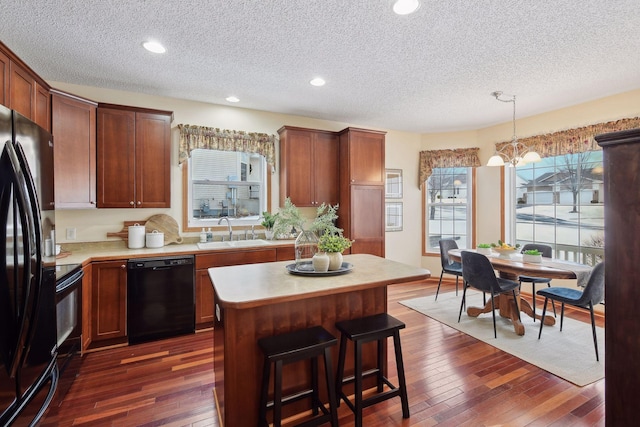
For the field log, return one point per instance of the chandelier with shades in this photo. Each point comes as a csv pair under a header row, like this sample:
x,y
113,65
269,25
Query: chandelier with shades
x,y
520,153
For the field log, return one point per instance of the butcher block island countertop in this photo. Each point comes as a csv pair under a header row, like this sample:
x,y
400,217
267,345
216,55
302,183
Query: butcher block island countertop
x,y
259,300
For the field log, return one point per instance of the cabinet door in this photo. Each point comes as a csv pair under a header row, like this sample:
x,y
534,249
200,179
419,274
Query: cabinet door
x,y
367,219
4,79
204,300
22,87
108,300
295,167
74,132
153,158
42,110
86,317
366,157
326,179
115,158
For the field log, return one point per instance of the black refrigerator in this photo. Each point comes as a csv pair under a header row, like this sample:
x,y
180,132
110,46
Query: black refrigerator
x,y
28,371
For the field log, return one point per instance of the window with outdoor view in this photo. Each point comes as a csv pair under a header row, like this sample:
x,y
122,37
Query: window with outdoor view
x,y
559,202
448,210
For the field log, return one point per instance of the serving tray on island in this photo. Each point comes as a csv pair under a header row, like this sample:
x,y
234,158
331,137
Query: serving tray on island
x,y
305,268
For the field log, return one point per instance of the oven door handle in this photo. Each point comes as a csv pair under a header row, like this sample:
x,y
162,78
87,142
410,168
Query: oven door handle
x,y
69,281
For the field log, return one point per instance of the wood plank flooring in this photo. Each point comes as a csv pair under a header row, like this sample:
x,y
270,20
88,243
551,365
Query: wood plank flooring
x,y
453,380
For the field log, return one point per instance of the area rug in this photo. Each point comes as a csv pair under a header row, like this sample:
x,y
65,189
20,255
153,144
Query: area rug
x,y
568,354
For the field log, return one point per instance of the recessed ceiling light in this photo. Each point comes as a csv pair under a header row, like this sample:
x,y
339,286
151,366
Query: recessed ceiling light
x,y
317,82
405,7
154,47
232,99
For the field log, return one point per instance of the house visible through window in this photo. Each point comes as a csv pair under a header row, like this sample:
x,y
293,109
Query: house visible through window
x,y
448,210
225,184
559,202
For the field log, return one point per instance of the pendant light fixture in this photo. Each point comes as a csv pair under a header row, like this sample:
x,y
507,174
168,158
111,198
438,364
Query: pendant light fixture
x,y
521,154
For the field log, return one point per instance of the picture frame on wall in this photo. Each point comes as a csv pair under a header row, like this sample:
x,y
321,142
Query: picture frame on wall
x,y
393,183
393,214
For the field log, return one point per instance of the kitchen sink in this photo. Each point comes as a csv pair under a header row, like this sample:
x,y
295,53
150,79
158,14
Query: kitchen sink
x,y
234,244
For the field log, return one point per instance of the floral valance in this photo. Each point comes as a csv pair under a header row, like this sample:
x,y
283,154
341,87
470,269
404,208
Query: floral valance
x,y
460,157
571,141
192,137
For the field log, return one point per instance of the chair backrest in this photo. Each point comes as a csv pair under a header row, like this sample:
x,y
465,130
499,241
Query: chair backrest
x,y
478,272
445,246
594,291
545,250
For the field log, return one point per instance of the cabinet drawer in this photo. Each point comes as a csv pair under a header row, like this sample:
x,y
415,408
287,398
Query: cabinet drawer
x,y
226,258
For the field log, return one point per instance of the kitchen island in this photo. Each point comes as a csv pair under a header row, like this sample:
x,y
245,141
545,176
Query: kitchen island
x,y
260,300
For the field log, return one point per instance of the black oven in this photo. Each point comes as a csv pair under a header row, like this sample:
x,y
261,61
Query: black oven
x,y
68,324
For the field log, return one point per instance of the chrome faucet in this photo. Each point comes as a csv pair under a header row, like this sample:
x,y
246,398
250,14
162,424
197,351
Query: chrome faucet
x,y
228,225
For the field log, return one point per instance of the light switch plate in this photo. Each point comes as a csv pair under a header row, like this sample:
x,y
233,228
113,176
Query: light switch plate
x,y
71,233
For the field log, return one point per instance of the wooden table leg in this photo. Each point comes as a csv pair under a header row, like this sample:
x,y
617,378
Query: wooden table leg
x,y
508,309
525,307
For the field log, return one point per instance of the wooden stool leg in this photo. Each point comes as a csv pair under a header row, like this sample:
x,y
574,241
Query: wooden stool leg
x,y
266,371
315,398
401,379
331,390
358,382
277,394
340,373
379,375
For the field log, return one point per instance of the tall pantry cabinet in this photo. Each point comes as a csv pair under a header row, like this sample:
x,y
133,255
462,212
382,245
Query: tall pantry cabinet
x,y
362,173
621,161
134,154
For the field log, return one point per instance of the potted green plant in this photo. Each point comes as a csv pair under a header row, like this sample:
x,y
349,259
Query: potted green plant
x,y
484,248
268,221
333,245
288,222
532,255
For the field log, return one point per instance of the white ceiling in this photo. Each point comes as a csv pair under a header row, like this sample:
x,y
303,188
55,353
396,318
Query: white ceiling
x,y
432,71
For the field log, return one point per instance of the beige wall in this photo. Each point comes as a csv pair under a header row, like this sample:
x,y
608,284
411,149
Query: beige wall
x,y
402,150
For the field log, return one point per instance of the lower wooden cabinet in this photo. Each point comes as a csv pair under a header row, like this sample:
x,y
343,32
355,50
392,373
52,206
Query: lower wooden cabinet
x,y
204,300
108,302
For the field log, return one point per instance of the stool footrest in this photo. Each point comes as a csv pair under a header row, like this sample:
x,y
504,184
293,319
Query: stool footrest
x,y
379,397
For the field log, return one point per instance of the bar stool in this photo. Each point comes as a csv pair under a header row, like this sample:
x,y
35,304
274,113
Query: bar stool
x,y
291,347
372,328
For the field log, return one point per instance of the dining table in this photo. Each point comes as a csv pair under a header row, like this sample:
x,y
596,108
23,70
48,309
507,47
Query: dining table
x,y
513,266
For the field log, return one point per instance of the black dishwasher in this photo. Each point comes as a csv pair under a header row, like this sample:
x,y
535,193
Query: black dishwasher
x,y
160,298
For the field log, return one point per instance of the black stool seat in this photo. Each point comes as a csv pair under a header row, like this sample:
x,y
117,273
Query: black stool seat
x,y
362,330
291,347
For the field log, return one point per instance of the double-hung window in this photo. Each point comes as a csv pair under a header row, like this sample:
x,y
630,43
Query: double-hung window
x,y
448,207
559,202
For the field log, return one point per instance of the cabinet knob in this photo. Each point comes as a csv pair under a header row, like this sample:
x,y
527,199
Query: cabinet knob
x,y
139,202
131,203
123,266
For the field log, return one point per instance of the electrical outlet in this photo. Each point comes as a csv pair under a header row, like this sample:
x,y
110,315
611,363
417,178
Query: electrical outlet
x,y
71,233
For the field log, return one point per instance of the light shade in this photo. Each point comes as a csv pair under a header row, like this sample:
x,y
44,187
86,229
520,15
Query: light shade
x,y
154,47
531,157
496,160
405,7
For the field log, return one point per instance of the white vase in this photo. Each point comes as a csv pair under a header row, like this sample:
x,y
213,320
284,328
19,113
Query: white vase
x,y
335,260
268,234
320,262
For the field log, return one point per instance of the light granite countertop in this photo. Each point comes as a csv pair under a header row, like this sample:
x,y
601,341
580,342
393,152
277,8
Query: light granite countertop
x,y
270,283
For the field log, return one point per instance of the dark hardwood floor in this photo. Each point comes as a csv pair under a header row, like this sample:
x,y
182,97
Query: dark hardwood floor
x,y
453,380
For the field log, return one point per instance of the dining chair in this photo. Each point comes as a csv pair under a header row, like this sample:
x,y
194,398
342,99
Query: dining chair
x,y
592,294
546,252
448,266
478,273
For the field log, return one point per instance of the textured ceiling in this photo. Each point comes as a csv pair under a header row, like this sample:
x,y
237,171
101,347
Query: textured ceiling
x,y
431,71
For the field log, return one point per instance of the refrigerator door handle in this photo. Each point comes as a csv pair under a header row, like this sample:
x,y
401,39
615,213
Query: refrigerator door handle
x,y
27,221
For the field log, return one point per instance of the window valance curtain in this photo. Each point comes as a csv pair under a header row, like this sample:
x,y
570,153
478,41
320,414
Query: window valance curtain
x,y
192,137
460,157
571,141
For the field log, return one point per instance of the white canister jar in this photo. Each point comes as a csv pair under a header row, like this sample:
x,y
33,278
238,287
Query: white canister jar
x,y
155,239
136,236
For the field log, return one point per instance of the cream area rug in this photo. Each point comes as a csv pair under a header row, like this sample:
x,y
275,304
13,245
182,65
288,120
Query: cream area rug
x,y
568,354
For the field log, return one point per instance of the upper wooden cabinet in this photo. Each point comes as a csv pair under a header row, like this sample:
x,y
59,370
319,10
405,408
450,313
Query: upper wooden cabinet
x,y
309,165
362,156
23,90
74,132
134,155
